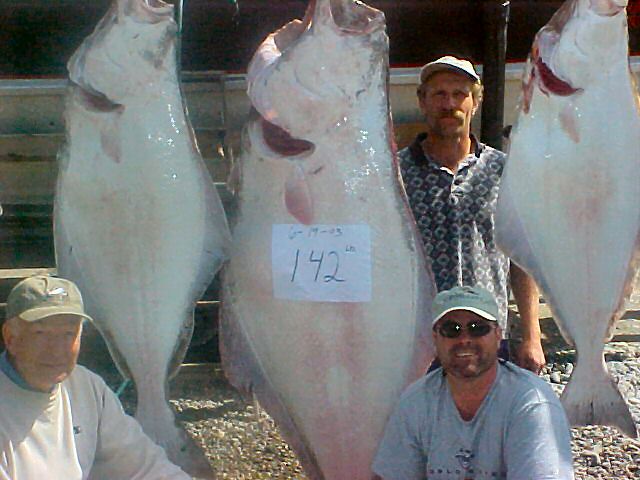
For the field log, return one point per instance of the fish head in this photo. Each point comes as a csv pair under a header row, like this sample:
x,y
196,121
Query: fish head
x,y
606,7
571,51
312,74
132,48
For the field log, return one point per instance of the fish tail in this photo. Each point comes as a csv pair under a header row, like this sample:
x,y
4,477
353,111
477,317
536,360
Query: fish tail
x,y
592,398
157,420
156,417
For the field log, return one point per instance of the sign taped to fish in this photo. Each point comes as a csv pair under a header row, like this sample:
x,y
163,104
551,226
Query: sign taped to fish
x,y
321,263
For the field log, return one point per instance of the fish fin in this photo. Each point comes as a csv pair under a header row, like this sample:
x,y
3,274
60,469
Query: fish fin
x,y
182,344
569,122
264,60
117,357
243,370
512,239
284,37
69,267
592,398
424,349
297,196
511,234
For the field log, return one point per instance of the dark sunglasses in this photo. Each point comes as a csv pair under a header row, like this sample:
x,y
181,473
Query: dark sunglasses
x,y
451,329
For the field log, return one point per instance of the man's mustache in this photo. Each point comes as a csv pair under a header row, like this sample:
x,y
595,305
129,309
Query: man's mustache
x,y
457,114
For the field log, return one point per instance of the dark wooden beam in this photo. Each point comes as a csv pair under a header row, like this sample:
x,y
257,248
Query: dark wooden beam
x,y
495,21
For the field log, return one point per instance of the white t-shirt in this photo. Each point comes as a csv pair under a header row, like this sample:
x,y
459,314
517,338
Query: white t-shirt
x,y
77,432
520,432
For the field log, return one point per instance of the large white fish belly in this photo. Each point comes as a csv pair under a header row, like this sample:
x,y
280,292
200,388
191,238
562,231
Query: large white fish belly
x,y
578,204
569,204
138,223
328,372
138,229
337,368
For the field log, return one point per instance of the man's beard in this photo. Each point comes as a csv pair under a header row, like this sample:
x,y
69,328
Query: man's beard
x,y
468,367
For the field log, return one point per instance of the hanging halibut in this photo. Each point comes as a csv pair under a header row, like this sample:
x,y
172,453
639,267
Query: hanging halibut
x,y
569,204
327,294
138,222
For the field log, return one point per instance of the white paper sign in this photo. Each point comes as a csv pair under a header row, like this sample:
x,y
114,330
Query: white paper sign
x,y
321,263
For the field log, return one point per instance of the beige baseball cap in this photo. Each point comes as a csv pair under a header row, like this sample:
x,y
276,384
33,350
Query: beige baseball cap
x,y
449,63
473,299
36,298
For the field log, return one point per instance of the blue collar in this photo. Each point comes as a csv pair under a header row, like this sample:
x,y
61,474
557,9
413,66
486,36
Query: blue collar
x,y
12,373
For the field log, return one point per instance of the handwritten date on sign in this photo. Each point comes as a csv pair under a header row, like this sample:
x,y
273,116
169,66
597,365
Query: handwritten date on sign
x,y
321,263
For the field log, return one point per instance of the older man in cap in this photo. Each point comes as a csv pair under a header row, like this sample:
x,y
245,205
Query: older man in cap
x,y
475,416
452,183
58,420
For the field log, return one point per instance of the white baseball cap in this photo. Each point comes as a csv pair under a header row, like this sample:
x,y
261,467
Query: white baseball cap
x,y
473,299
449,63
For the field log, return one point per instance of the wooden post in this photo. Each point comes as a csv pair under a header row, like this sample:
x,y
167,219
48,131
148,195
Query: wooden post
x,y
495,21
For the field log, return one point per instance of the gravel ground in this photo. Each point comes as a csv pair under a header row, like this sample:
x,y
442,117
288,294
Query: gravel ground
x,y
242,442
601,452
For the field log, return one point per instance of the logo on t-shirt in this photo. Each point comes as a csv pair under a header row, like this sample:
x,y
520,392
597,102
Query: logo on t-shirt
x,y
465,456
77,429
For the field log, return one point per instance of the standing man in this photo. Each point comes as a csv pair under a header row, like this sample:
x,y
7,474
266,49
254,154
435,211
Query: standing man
x,y
476,416
58,420
452,183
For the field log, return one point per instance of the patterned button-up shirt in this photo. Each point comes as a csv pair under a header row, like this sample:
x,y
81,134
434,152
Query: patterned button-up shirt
x,y
455,216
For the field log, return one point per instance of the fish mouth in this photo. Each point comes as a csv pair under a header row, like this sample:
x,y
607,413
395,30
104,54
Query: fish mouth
x,y
157,5
151,11
350,17
356,18
608,8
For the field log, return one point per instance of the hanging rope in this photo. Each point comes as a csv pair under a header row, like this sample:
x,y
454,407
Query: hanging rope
x,y
237,5
122,387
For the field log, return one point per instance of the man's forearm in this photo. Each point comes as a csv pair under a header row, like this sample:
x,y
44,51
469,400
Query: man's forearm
x,y
526,294
530,354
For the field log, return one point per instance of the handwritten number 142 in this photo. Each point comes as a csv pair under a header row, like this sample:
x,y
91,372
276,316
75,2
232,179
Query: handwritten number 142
x,y
329,260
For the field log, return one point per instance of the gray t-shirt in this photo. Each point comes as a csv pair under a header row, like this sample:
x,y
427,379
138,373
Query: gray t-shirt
x,y
520,432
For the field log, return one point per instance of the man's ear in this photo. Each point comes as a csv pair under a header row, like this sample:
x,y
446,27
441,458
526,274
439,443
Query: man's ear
x,y
476,105
498,332
7,336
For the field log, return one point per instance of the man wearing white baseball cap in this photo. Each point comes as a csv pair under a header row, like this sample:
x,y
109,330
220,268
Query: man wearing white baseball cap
x,y
475,416
57,419
452,183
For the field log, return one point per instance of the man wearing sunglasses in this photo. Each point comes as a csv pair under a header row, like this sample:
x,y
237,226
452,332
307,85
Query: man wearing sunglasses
x,y
476,416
